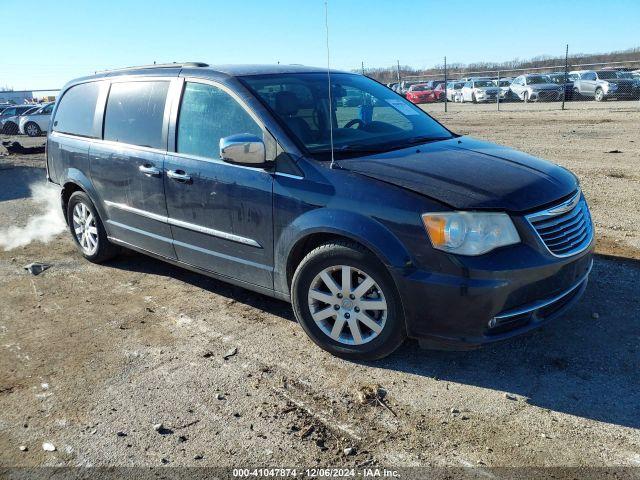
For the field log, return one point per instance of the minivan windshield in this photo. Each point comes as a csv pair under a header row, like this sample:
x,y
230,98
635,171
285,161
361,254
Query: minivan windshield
x,y
373,120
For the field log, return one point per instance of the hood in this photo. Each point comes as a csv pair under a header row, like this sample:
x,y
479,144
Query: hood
x,y
465,173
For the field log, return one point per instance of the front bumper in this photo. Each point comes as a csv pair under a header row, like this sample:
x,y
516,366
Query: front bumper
x,y
513,292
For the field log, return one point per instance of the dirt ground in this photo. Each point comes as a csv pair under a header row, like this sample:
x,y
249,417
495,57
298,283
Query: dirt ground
x,y
93,357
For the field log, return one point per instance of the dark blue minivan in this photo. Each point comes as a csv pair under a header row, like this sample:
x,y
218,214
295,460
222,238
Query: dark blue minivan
x,y
375,221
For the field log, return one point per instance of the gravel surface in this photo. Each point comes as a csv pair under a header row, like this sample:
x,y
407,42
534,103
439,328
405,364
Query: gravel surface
x,y
139,363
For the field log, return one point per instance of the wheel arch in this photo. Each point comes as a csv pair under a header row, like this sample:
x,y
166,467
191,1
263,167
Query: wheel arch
x,y
325,225
76,181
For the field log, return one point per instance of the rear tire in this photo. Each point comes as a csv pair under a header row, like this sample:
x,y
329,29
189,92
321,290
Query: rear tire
x,y
87,229
330,290
32,129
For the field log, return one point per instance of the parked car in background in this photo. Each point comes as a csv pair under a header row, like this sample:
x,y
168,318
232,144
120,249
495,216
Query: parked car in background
x,y
604,84
479,90
11,112
453,90
559,79
575,74
636,73
36,123
505,83
422,93
9,125
419,233
405,86
534,88
440,92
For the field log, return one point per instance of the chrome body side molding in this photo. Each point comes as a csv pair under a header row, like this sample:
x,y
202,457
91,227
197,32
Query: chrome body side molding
x,y
190,226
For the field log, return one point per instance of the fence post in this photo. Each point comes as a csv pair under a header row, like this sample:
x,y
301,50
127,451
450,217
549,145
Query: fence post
x,y
363,68
445,83
566,74
499,90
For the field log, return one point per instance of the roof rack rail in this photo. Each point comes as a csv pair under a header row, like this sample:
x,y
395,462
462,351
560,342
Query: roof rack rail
x,y
158,65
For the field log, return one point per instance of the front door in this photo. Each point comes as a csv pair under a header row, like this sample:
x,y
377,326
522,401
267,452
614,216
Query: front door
x,y
127,166
220,214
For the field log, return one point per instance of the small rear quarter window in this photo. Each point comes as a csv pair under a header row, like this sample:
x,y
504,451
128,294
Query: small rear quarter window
x,y
76,111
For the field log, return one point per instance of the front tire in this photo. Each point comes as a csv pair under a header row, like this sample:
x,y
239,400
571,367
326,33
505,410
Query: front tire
x,y
599,96
347,303
87,229
32,129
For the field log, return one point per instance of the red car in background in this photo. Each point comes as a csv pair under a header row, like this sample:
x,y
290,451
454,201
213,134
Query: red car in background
x,y
424,93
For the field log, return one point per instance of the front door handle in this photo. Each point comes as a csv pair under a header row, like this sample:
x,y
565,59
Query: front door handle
x,y
149,170
178,175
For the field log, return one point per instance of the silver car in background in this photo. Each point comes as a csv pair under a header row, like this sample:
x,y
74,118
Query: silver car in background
x,y
36,123
479,90
534,88
9,125
604,84
504,86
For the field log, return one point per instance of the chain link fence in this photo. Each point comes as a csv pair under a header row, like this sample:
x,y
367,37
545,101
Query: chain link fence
x,y
555,84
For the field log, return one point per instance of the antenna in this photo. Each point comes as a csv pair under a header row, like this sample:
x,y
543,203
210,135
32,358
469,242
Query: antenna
x,y
326,24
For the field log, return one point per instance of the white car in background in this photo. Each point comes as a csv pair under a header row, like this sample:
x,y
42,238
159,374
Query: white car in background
x,y
9,121
453,90
479,90
36,123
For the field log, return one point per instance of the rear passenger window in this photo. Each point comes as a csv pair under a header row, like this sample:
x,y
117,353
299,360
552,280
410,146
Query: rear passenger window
x,y
77,109
135,113
207,114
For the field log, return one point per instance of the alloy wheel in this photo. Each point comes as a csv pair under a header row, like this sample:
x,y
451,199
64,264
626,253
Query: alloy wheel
x,y
85,229
347,304
32,130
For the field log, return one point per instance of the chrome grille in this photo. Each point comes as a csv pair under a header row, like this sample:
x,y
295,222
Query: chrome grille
x,y
565,229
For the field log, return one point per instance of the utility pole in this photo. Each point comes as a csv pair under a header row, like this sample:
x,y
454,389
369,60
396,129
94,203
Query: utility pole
x,y
398,70
445,83
363,68
566,74
499,90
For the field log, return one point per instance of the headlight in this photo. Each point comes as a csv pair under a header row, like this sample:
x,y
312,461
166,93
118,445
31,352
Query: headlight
x,y
470,233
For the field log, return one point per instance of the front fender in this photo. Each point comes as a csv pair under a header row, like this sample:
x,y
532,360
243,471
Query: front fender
x,y
359,228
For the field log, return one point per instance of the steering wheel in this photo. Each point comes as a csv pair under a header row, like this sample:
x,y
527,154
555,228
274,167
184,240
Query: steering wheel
x,y
355,121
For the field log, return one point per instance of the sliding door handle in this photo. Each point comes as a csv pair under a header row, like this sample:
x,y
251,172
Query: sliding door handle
x,y
178,175
149,170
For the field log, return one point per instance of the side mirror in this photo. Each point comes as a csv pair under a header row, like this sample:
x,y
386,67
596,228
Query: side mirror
x,y
243,149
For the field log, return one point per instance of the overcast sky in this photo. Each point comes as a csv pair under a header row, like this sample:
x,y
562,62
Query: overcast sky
x,y
46,43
